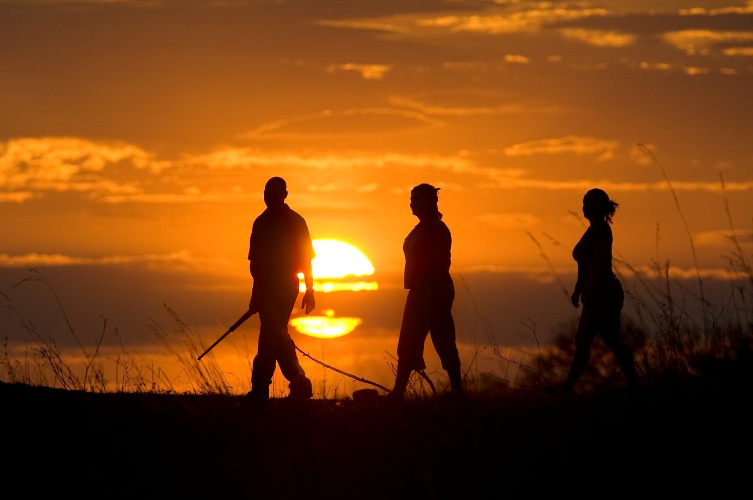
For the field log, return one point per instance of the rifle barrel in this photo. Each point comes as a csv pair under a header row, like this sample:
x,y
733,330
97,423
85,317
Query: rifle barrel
x,y
238,323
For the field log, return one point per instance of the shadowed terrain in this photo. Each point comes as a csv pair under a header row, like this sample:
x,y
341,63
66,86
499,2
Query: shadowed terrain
x,y
681,437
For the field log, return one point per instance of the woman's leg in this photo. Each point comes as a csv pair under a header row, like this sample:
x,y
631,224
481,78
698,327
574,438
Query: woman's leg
x,y
443,336
410,344
584,337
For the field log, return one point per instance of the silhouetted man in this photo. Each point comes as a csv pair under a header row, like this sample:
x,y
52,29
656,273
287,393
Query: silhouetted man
x,y
280,247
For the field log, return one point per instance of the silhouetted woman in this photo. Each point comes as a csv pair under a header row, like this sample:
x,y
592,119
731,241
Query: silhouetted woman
x,y
431,292
601,293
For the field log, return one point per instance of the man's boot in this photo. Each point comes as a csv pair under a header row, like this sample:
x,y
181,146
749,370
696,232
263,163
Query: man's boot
x,y
259,394
301,388
401,383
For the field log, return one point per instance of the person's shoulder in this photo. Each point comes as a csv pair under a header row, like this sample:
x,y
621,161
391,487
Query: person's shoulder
x,y
439,228
266,214
442,225
601,230
293,214
294,219
260,217
290,210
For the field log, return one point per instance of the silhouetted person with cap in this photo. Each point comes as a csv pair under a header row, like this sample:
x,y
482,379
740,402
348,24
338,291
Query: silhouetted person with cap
x,y
431,292
601,293
280,247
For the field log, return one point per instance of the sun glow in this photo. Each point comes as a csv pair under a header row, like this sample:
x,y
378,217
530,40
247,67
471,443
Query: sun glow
x,y
334,267
325,327
335,259
335,264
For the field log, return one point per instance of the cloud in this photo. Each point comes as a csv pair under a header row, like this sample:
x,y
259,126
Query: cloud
x,y
602,149
695,70
122,174
94,2
16,197
681,273
30,165
57,260
188,196
654,66
179,261
694,42
701,11
330,124
516,59
367,71
478,107
598,38
495,19
738,51
722,238
515,179
249,158
510,19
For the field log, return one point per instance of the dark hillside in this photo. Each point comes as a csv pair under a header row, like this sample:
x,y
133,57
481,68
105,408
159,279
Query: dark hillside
x,y
687,438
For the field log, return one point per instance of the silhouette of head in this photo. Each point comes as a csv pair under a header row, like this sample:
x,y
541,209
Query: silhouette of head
x,y
598,206
424,199
275,192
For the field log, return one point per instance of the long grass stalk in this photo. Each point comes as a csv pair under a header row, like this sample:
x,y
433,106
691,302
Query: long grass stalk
x,y
650,153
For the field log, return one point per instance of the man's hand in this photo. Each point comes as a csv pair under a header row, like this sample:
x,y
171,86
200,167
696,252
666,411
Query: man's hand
x,y
309,302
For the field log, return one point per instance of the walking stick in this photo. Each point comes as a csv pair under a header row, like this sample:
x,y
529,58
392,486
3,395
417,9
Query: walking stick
x,y
238,323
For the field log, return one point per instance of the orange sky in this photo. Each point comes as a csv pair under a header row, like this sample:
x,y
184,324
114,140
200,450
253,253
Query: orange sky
x,y
136,138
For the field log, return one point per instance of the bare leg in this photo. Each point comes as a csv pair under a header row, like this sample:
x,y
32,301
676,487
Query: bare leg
x,y
584,337
624,357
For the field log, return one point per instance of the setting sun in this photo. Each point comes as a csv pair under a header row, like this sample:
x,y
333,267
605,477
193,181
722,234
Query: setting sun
x,y
337,261
327,326
334,267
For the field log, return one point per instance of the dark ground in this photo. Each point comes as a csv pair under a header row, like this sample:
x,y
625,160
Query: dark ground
x,y
687,438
